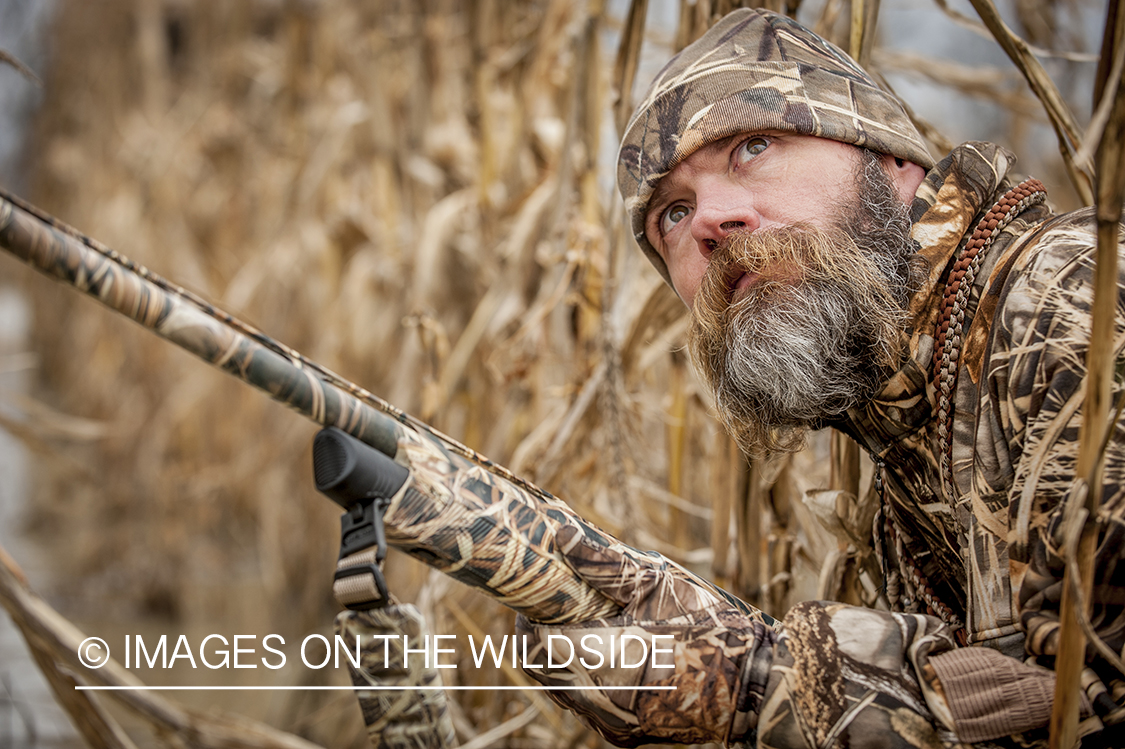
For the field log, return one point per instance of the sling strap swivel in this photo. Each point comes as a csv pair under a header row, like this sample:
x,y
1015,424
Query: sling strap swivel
x,y
362,480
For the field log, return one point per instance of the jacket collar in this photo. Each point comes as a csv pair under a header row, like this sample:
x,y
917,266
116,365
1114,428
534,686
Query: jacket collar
x,y
946,207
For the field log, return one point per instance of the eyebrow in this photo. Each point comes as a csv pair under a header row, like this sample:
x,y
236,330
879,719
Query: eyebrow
x,y
659,195
663,187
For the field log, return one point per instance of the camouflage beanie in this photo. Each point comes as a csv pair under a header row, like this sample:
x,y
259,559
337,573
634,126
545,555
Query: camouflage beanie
x,y
754,71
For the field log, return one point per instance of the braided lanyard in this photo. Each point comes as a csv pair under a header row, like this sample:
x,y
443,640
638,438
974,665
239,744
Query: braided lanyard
x,y
947,337
947,350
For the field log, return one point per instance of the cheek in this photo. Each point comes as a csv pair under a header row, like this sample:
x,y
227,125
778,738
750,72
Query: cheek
x,y
686,274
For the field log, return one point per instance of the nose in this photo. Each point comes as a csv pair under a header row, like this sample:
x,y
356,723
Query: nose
x,y
721,207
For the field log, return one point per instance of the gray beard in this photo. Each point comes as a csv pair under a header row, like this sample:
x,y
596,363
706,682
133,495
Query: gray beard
x,y
789,355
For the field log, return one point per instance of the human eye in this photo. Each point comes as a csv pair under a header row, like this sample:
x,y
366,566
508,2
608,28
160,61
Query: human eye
x,y
750,148
673,215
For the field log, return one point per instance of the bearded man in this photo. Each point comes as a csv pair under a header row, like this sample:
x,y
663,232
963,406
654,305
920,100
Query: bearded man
x,y
938,313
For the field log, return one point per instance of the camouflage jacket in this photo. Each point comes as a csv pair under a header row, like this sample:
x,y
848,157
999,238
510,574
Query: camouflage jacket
x,y
980,543
986,543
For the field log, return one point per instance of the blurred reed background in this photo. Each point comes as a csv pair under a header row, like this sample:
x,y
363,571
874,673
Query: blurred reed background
x,y
419,196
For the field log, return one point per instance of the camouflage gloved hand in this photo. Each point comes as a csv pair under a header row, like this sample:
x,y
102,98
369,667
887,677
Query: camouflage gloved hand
x,y
845,676
675,631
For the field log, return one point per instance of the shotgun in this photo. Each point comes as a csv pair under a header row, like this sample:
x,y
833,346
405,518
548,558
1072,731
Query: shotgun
x,y
467,516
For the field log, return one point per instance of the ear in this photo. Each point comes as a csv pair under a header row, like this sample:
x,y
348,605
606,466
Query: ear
x,y
906,175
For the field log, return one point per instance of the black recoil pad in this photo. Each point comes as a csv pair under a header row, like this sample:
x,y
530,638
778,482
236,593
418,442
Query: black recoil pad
x,y
348,471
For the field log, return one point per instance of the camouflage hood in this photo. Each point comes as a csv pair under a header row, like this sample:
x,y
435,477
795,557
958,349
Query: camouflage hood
x,y
754,71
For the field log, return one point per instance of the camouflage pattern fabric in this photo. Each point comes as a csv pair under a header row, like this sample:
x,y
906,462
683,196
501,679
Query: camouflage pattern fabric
x,y
754,71
990,549
487,532
843,676
396,716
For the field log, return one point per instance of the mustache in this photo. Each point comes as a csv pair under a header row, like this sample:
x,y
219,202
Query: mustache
x,y
796,255
818,254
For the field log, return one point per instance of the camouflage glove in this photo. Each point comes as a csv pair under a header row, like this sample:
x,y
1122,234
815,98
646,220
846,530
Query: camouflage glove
x,y
699,658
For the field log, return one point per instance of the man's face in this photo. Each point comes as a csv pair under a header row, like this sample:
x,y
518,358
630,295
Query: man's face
x,y
794,254
746,182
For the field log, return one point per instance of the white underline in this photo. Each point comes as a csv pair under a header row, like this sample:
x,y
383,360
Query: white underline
x,y
370,689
